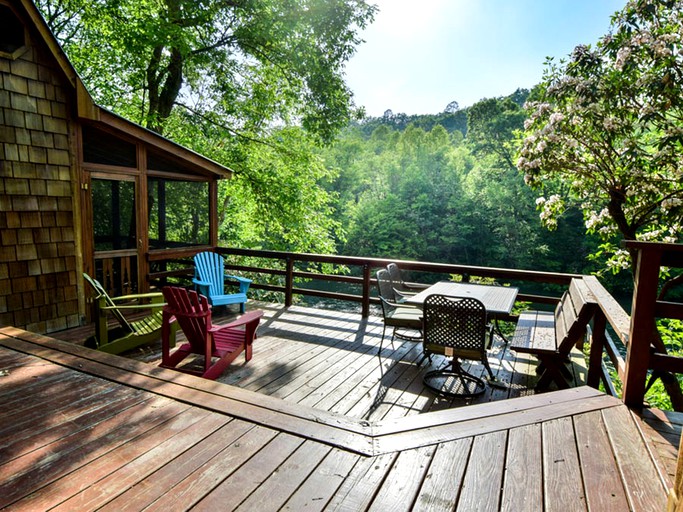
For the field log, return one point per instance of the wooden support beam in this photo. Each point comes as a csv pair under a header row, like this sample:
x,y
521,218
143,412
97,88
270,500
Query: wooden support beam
x,y
642,326
597,345
366,292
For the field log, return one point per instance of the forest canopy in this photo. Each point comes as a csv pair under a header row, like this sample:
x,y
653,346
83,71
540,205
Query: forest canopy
x,y
256,85
605,131
259,86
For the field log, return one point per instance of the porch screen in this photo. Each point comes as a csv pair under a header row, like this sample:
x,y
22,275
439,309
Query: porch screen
x,y
178,213
113,214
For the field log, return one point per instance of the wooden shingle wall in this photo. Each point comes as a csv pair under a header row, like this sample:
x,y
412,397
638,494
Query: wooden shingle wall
x,y
38,289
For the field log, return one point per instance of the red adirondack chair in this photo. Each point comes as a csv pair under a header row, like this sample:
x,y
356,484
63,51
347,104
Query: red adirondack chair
x,y
193,314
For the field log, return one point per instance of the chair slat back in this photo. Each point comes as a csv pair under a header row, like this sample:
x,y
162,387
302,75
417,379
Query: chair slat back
x,y
455,322
192,313
210,267
386,290
101,294
396,278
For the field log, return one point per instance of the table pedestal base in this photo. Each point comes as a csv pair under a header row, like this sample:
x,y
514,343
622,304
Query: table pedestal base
x,y
451,383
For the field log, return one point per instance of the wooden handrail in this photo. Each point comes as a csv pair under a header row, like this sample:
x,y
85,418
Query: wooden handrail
x,y
611,317
363,278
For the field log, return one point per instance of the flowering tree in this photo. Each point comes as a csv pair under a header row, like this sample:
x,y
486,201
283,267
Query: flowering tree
x,y
606,131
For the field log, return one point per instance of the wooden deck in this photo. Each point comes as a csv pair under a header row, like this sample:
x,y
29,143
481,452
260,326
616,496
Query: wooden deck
x,y
83,430
329,360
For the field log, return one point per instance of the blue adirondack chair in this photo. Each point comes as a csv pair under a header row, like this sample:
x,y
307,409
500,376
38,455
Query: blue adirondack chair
x,y
209,280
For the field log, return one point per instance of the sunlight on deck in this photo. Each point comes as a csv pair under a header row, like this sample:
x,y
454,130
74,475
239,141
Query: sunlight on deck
x,y
328,359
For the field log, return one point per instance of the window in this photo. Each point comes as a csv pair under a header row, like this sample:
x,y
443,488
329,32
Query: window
x,y
103,148
113,205
179,213
12,36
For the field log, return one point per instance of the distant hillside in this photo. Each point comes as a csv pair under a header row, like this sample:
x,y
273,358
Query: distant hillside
x,y
452,118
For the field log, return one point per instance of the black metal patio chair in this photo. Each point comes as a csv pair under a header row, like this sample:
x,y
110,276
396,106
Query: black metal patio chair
x,y
405,321
457,328
401,288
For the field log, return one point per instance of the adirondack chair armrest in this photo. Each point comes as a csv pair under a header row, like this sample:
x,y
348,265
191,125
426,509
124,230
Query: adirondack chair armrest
x,y
151,305
156,301
239,278
252,317
155,296
243,282
202,287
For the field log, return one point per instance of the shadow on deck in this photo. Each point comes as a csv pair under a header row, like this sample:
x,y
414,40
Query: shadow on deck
x,y
305,429
83,430
329,360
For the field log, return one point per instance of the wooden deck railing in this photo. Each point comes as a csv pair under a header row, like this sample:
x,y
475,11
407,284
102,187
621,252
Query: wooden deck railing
x,y
360,273
613,331
645,350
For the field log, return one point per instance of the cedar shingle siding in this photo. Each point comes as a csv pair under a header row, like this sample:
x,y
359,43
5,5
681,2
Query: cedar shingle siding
x,y
38,269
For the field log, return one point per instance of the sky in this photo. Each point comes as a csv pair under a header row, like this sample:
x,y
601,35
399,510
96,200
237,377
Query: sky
x,y
419,55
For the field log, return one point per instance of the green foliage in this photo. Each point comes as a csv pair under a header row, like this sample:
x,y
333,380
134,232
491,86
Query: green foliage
x,y
252,63
491,127
671,331
454,121
185,216
276,201
605,131
430,195
255,85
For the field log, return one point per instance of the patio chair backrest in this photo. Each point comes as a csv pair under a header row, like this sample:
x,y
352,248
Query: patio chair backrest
x,y
101,294
455,322
384,286
396,278
193,314
210,267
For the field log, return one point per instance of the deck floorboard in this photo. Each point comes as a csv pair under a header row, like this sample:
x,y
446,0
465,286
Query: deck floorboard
x,y
341,429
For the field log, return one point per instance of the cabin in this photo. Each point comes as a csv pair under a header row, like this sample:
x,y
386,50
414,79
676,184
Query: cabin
x,y
324,416
83,190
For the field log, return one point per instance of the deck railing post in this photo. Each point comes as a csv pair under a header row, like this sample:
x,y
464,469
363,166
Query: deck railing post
x,y
596,348
642,326
365,308
289,281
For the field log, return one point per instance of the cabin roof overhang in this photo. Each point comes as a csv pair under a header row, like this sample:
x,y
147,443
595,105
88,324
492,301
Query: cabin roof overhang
x,y
89,112
191,159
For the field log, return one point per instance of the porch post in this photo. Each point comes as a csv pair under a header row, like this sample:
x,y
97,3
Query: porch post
x,y
642,328
596,348
365,309
289,281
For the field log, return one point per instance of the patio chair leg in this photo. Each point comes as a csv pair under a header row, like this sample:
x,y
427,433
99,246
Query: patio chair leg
x,y
393,333
488,368
424,356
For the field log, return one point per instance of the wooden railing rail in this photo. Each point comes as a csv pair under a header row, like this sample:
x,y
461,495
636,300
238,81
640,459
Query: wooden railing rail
x,y
609,313
613,330
362,269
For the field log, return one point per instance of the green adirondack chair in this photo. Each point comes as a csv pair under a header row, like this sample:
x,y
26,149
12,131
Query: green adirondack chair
x,y
128,334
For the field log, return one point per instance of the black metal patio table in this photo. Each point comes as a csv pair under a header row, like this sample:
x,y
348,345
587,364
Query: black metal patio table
x,y
498,300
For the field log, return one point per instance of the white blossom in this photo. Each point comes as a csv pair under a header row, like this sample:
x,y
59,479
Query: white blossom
x,y
610,124
622,56
671,202
556,117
